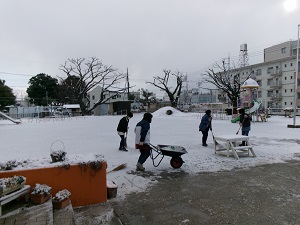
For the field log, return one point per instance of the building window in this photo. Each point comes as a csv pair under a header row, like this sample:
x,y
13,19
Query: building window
x,y
291,103
93,97
291,77
284,90
283,50
270,82
291,64
284,78
269,70
291,90
270,94
258,72
284,65
259,82
259,94
284,103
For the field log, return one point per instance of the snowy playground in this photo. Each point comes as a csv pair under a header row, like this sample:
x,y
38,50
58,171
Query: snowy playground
x,y
28,144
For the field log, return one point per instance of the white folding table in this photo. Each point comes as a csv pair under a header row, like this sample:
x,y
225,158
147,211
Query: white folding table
x,y
230,144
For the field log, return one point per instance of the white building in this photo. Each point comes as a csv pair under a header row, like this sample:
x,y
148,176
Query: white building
x,y
109,96
276,76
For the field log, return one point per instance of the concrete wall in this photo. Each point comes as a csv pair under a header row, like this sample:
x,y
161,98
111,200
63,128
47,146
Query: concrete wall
x,y
87,185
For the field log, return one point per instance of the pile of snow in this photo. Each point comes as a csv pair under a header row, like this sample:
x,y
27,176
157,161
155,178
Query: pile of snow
x,y
168,111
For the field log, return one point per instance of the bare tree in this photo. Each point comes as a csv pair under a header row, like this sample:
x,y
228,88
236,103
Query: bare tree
x,y
229,81
163,84
90,73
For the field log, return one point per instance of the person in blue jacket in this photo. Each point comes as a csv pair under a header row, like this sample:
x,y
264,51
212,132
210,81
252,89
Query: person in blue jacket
x,y
142,140
205,125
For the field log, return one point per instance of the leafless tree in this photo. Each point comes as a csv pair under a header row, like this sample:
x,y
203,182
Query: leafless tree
x,y
90,73
226,80
163,84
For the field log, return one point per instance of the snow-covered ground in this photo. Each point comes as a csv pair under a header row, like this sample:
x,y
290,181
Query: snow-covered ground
x,y
90,138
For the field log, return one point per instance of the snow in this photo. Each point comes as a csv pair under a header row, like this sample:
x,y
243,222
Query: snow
x,y
28,145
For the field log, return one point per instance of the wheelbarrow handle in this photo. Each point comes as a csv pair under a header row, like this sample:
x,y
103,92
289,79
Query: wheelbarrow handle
x,y
151,145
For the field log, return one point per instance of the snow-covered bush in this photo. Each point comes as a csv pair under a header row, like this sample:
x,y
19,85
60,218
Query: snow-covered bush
x,y
9,165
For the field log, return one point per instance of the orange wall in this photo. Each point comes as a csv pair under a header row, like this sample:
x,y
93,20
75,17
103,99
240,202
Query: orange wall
x,y
86,185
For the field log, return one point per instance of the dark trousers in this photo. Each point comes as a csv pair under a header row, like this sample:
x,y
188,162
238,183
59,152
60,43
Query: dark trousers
x,y
205,135
145,153
122,142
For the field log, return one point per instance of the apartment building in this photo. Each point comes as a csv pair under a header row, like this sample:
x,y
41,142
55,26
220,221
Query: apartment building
x,y
276,76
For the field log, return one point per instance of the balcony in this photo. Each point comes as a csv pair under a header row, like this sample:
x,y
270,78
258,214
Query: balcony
x,y
276,97
276,73
275,85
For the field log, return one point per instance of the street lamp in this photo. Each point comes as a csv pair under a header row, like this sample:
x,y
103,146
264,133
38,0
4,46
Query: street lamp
x,y
296,79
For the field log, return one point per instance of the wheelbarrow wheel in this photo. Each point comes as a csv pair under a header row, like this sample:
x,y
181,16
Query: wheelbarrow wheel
x,y
176,162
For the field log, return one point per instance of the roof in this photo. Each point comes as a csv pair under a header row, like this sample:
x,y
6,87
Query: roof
x,y
72,106
250,83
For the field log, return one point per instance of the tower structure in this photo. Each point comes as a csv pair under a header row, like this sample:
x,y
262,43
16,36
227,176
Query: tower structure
x,y
243,56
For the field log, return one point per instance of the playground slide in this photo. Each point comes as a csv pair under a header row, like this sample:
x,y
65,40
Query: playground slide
x,y
9,118
254,107
235,119
248,111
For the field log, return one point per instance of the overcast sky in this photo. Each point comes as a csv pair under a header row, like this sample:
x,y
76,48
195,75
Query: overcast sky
x,y
145,36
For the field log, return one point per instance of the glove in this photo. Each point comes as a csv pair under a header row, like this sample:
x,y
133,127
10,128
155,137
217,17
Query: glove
x,y
141,143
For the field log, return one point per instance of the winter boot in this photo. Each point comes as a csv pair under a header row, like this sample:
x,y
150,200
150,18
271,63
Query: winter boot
x,y
205,145
139,167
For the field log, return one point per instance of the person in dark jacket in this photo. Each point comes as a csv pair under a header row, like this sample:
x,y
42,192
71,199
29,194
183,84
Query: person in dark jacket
x,y
142,140
245,123
205,125
122,129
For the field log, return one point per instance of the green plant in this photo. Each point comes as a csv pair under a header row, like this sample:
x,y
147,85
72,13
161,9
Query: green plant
x,y
41,189
61,195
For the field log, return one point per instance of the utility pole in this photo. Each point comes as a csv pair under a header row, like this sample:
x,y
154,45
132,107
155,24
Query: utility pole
x,y
187,89
127,79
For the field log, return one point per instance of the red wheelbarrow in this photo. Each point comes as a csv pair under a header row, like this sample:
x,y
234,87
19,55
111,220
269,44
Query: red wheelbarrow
x,y
173,151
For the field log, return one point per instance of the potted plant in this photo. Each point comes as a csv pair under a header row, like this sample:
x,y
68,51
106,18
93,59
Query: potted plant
x,y
11,184
40,193
57,152
61,199
58,156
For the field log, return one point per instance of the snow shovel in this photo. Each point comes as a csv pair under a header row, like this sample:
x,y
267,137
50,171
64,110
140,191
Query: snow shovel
x,y
214,137
238,130
240,127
